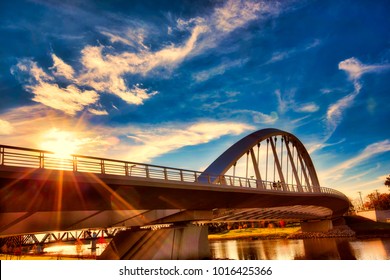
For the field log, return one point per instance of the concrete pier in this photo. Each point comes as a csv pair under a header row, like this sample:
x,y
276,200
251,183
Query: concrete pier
x,y
317,226
188,242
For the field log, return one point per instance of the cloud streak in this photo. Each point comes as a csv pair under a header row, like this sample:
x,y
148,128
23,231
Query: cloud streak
x,y
286,102
70,99
339,170
155,141
355,69
235,14
5,127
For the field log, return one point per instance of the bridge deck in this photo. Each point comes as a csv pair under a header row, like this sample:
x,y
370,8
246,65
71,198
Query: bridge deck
x,y
35,185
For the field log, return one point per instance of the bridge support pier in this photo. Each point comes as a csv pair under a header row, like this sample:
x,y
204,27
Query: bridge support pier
x,y
188,242
317,226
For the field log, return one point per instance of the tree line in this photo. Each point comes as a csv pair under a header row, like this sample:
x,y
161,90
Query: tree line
x,y
379,201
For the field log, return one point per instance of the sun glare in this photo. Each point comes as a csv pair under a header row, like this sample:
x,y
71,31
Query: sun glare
x,y
61,143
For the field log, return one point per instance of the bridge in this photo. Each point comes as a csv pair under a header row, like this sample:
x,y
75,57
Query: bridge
x,y
266,175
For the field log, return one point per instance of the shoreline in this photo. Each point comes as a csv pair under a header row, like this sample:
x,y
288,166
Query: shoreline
x,y
283,233
353,227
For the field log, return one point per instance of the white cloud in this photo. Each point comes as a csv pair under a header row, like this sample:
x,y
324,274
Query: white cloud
x,y
69,100
98,112
259,117
287,102
117,38
335,111
5,127
217,70
307,108
281,55
105,71
356,69
155,141
236,13
370,151
60,68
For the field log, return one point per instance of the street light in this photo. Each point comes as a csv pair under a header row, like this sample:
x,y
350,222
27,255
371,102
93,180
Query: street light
x,y
131,168
361,200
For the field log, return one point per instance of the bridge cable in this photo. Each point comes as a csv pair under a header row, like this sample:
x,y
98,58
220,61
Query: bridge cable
x,y
292,163
266,164
276,139
287,143
246,172
281,154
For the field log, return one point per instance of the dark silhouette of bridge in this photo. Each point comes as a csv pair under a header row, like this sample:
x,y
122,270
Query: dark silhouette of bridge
x,y
266,175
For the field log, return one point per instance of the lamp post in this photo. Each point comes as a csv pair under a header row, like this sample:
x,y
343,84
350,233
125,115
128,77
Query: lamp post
x,y
131,168
361,200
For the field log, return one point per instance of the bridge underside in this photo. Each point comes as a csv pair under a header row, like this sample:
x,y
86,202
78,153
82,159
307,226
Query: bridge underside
x,y
27,222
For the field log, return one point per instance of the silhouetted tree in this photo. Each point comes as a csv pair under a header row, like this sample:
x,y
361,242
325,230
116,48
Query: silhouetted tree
x,y
378,201
387,182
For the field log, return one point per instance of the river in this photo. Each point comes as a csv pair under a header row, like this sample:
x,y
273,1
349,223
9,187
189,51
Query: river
x,y
302,249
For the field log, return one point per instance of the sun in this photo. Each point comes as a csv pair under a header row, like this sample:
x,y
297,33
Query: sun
x,y
61,143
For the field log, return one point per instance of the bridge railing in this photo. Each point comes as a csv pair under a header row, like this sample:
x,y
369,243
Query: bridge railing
x,y
33,158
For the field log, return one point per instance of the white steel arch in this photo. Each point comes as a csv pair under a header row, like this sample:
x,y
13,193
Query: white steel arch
x,y
296,158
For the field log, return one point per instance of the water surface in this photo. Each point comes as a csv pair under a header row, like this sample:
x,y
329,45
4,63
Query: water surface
x,y
302,249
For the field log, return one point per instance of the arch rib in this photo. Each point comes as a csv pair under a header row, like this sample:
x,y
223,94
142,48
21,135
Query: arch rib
x,y
227,159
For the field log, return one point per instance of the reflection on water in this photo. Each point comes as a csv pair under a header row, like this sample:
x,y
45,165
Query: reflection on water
x,y
306,249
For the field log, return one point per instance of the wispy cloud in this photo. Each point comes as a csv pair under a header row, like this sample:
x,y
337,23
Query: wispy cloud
x,y
133,37
236,13
287,102
70,99
334,114
5,127
61,69
370,151
282,55
355,69
257,117
310,107
217,70
154,141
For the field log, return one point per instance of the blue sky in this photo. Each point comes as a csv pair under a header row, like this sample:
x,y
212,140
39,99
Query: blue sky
x,y
177,82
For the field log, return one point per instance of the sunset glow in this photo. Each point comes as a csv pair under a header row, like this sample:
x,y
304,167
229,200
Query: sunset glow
x,y
61,143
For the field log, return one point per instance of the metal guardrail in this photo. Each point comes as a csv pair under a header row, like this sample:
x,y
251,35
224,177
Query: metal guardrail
x,y
33,158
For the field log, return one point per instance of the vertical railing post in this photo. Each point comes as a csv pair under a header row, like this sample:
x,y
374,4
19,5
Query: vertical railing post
x,y
2,155
196,176
147,171
126,168
165,174
41,160
74,163
181,175
102,169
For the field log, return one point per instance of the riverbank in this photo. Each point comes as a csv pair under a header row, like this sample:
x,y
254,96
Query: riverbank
x,y
366,228
355,226
256,233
